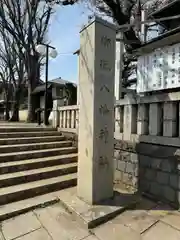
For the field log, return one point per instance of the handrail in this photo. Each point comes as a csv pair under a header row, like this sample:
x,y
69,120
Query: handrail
x,y
64,108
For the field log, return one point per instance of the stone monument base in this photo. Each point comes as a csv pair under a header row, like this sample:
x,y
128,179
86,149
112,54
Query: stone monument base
x,y
93,215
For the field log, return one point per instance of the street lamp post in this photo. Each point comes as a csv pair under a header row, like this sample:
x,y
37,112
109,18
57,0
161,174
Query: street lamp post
x,y
43,49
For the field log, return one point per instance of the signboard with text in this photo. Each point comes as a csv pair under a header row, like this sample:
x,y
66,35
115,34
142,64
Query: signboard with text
x,y
159,70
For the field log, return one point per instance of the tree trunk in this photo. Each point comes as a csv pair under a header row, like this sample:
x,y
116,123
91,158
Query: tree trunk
x,y
132,40
31,105
32,83
15,114
7,108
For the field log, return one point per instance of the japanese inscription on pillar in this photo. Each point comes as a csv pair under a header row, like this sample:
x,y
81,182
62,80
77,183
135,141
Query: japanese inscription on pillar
x,y
105,92
96,115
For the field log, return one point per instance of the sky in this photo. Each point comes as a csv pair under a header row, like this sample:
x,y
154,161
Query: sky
x,y
64,36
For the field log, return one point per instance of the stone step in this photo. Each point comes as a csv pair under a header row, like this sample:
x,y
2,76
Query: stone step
x,y
24,140
26,129
19,124
10,167
28,134
16,156
15,208
11,179
32,189
33,146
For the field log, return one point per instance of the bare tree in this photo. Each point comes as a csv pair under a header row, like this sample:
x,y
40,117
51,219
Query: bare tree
x,y
122,12
5,87
7,68
119,10
26,21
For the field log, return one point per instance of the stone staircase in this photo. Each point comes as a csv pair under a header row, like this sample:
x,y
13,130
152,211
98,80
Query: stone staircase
x,y
35,164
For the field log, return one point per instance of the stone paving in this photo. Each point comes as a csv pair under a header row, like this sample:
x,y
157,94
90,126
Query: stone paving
x,y
148,221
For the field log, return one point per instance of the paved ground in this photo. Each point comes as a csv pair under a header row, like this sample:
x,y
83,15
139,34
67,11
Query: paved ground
x,y
150,221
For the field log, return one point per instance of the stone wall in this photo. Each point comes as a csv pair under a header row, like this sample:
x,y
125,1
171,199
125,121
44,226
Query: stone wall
x,y
149,168
152,169
126,169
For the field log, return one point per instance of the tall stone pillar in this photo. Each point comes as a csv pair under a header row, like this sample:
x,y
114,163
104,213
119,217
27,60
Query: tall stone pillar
x,y
119,66
78,82
77,53
118,81
96,115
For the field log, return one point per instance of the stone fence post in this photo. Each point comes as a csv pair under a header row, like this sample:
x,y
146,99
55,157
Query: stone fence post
x,y
56,116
